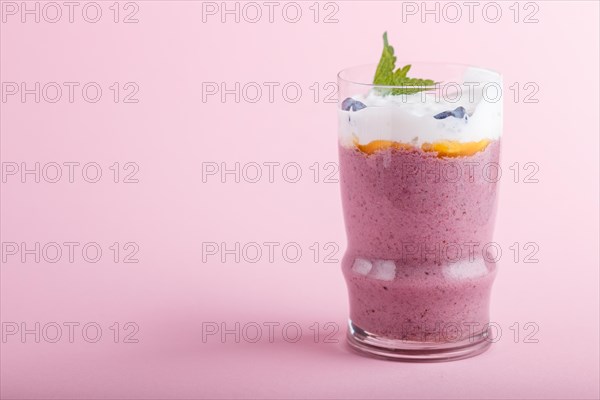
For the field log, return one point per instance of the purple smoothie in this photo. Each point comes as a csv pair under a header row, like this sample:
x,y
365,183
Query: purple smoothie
x,y
417,266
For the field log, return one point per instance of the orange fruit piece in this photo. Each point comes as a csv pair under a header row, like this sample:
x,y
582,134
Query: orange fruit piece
x,y
450,148
377,145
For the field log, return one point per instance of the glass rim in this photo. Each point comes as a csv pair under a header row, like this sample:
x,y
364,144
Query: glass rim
x,y
429,63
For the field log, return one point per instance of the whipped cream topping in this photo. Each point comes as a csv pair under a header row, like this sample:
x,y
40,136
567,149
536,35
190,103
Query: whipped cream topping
x,y
410,118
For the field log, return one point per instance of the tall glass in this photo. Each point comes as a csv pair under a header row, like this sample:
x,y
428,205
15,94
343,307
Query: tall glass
x,y
418,175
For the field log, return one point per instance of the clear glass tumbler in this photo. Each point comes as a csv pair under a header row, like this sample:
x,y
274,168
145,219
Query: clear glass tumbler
x,y
418,174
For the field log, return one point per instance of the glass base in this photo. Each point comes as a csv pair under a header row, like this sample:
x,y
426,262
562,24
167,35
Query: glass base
x,y
404,350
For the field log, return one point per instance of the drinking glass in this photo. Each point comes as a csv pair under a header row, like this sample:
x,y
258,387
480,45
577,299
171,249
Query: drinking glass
x,y
419,178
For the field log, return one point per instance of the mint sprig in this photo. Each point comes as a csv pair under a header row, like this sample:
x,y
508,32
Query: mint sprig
x,y
386,76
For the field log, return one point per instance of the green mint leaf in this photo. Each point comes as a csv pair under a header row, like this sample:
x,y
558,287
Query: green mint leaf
x,y
386,76
401,73
412,82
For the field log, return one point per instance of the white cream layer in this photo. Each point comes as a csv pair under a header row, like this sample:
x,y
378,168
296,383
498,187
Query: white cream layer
x,y
409,118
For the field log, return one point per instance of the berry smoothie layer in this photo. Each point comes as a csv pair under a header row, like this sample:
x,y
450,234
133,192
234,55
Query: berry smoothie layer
x,y
417,219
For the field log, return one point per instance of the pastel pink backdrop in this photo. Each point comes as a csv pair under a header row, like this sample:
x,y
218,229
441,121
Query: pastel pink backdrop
x,y
170,212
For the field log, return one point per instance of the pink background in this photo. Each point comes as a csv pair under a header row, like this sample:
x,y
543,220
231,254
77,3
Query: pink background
x,y
171,212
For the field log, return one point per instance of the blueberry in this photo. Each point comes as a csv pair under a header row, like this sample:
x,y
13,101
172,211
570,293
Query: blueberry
x,y
358,106
442,115
352,105
347,103
459,112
